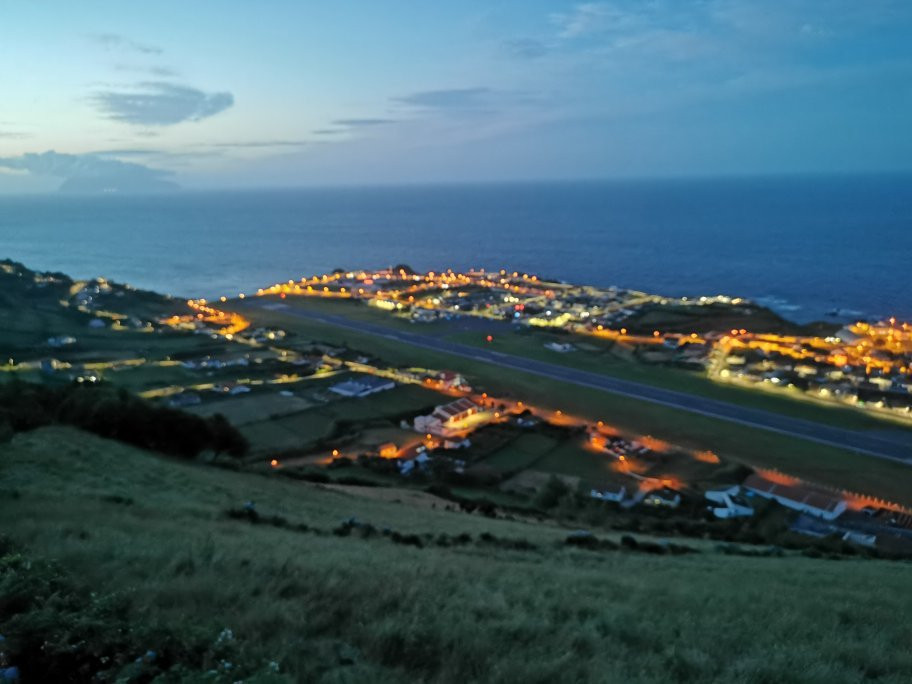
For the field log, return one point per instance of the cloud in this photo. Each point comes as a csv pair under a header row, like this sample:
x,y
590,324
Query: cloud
x,y
160,104
527,48
356,123
454,98
114,41
14,135
160,71
91,172
328,131
586,18
261,143
126,152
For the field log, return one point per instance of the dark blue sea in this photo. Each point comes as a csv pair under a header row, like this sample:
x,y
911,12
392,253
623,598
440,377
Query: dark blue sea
x,y
804,245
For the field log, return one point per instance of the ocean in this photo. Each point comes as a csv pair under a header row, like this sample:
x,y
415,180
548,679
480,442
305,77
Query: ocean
x,y
803,245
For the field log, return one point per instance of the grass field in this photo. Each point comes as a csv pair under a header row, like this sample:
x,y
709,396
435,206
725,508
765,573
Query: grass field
x,y
523,453
569,458
303,606
301,429
289,432
251,409
839,468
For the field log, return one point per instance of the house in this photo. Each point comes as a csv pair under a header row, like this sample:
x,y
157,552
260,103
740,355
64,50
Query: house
x,y
614,493
730,503
526,421
457,444
388,450
860,538
362,386
445,419
798,497
812,526
420,461
62,341
231,388
424,315
49,366
451,380
184,399
664,497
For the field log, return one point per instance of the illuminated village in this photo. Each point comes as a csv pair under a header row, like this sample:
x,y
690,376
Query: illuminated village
x,y
867,365
417,424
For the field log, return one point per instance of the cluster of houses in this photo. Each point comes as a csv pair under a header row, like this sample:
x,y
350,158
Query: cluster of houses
x,y
820,512
863,365
217,362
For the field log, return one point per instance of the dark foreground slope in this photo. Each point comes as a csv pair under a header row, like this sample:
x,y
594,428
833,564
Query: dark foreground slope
x,y
155,567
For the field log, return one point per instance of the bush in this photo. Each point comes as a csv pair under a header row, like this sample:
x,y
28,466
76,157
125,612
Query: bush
x,y
551,494
116,414
59,631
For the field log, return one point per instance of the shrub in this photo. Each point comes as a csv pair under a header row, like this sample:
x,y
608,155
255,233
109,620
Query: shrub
x,y
116,414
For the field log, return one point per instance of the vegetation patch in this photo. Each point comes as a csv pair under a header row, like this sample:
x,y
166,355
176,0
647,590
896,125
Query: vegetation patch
x,y
117,415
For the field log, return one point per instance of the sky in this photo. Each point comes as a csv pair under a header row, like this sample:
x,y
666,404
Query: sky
x,y
237,94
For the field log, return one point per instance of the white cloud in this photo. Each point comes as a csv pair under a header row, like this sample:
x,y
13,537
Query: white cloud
x,y
114,41
160,104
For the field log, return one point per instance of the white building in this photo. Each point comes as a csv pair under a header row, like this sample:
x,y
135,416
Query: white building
x,y
663,498
730,503
445,419
798,497
363,386
614,493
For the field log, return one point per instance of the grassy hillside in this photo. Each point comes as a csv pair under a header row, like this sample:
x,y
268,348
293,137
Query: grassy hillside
x,y
146,544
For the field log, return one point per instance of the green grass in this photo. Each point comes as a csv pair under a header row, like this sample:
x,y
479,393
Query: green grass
x,y
290,432
569,458
301,430
522,453
252,408
345,609
401,399
826,465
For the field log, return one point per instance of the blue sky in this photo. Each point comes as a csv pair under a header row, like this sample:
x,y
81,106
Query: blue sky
x,y
238,94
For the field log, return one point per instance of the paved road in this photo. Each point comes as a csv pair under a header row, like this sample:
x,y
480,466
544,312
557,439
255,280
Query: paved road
x,y
884,446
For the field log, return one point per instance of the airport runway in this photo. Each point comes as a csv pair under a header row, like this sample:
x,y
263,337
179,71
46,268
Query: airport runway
x,y
880,445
